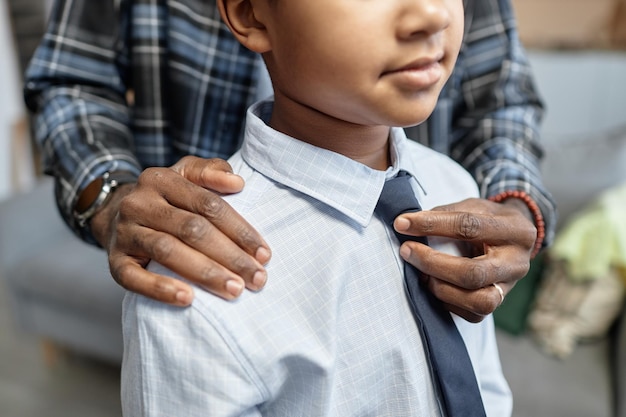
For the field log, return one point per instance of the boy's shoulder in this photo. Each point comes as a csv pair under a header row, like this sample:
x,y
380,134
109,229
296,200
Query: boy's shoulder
x,y
257,190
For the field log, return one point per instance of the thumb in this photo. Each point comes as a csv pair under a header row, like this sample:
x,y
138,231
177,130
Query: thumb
x,y
214,174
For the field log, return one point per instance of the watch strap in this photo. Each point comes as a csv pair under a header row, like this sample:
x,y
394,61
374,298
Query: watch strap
x,y
108,183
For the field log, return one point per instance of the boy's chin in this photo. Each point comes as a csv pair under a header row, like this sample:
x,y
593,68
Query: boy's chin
x,y
409,121
408,114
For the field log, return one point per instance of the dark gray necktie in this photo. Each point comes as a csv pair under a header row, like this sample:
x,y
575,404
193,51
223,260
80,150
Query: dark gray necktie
x,y
450,363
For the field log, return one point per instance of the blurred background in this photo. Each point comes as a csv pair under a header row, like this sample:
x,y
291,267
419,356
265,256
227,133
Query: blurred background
x,y
562,338
37,375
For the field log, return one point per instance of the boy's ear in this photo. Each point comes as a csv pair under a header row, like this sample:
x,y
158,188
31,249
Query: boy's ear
x,y
241,19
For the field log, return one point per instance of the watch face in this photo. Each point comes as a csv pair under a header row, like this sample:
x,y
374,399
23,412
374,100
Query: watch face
x,y
96,194
89,195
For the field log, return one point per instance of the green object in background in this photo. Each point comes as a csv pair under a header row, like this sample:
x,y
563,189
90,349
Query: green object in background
x,y
512,314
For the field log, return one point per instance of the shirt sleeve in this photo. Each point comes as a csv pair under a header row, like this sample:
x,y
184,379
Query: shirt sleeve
x,y
178,361
496,110
76,88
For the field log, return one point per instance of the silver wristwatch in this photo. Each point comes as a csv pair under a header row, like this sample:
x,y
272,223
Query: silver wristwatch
x,y
108,183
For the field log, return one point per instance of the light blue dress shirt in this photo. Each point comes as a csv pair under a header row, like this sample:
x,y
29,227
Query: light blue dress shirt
x,y
332,333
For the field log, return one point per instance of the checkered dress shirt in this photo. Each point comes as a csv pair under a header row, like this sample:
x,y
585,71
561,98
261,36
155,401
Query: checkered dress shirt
x,y
332,333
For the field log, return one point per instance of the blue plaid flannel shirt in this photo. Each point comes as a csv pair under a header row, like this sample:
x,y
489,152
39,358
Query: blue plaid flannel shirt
x,y
192,82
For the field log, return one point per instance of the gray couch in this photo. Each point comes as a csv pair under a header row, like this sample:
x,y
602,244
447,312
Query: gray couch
x,y
59,287
62,292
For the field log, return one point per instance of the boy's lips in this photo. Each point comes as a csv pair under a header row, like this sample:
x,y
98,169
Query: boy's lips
x,y
418,74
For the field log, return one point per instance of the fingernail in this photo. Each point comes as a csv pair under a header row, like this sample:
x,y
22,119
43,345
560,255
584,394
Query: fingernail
x,y
263,255
234,287
405,252
184,297
259,279
402,224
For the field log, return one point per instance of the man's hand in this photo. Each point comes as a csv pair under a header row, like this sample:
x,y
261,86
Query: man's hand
x,y
502,237
172,217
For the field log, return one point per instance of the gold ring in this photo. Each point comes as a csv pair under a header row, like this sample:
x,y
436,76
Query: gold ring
x,y
500,291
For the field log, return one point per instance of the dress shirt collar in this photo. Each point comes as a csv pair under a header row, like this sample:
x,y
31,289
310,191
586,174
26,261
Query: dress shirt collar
x,y
344,184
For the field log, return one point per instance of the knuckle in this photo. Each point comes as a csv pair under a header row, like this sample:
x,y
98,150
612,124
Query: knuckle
x,y
193,229
128,205
247,238
428,224
476,276
212,207
214,163
162,248
207,274
121,273
183,162
148,175
161,289
514,270
240,265
211,276
468,226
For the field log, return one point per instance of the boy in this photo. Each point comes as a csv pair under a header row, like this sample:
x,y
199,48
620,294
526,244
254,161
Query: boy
x,y
332,333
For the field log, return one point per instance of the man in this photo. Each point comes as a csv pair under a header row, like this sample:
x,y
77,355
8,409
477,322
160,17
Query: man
x,y
126,90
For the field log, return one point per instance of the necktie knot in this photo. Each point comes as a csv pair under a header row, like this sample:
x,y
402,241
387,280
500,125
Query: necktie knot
x,y
396,198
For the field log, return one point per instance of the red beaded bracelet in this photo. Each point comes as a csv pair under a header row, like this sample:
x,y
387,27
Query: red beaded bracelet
x,y
534,209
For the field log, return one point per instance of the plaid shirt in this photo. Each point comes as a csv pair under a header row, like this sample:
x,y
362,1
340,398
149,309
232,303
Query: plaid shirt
x,y
192,82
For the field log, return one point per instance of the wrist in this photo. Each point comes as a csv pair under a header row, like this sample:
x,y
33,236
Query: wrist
x,y
102,222
527,205
96,197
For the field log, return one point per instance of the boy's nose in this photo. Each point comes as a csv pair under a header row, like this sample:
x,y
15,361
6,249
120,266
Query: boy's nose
x,y
423,17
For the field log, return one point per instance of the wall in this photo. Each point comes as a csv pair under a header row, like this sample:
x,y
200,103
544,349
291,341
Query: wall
x,y
16,164
585,124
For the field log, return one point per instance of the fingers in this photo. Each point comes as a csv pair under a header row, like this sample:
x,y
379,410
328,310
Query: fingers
x,y
129,271
499,264
502,236
473,220
465,285
131,275
193,199
193,247
188,229
472,306
213,174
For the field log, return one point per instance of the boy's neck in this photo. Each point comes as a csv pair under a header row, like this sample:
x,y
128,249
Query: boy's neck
x,y
368,145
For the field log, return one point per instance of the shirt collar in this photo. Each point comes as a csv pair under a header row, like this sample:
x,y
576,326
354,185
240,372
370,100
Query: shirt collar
x,y
344,184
